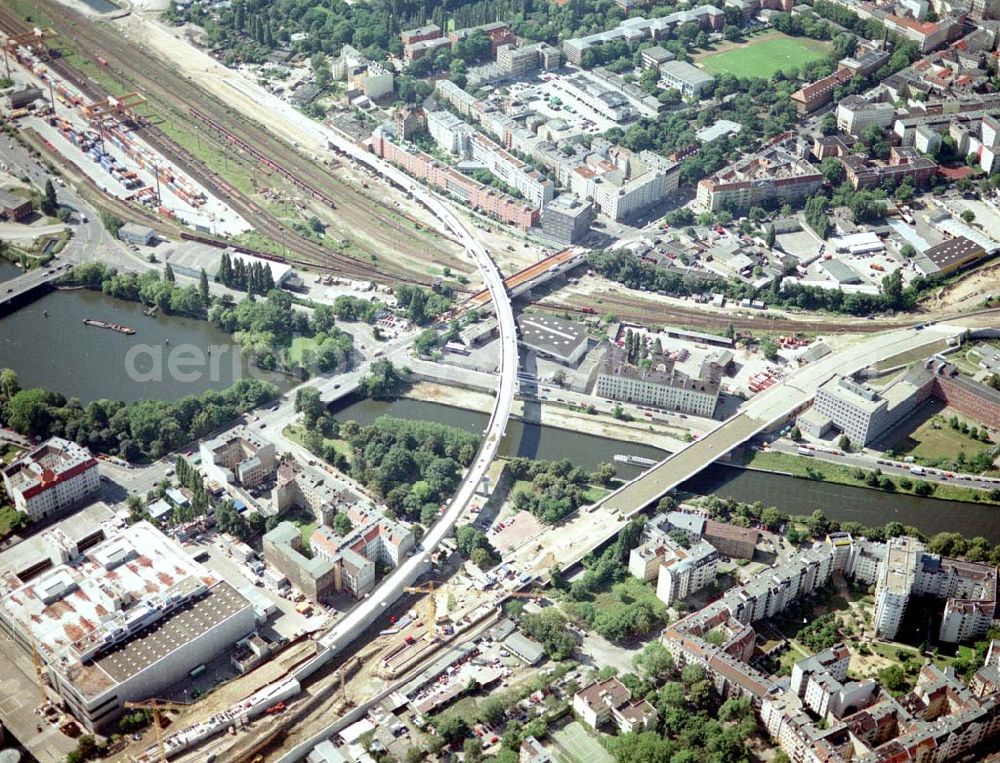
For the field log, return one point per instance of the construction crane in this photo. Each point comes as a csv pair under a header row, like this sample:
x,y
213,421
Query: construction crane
x,y
123,106
36,40
156,705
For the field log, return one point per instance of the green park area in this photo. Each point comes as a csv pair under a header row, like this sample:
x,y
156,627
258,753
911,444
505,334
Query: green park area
x,y
762,55
938,440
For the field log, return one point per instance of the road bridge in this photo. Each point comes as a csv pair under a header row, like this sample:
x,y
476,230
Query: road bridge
x,y
530,277
29,281
594,526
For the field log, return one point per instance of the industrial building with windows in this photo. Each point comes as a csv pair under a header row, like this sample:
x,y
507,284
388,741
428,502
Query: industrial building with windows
x,y
659,385
56,476
123,621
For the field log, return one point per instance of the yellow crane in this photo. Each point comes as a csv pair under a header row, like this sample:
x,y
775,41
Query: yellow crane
x,y
156,705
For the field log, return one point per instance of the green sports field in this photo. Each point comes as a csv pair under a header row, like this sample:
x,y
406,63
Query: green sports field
x,y
763,55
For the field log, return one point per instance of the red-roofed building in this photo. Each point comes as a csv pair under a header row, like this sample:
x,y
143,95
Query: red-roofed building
x,y
56,476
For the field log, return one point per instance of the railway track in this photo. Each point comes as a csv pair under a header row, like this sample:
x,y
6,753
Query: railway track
x,y
712,321
154,78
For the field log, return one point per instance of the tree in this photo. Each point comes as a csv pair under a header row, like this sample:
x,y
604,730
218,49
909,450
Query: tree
x,y
832,171
50,204
795,434
168,273
452,728
310,405
908,251
893,678
559,377
828,125
844,443
605,474
654,661
8,384
472,750
342,524
968,215
203,288
769,349
382,381
770,236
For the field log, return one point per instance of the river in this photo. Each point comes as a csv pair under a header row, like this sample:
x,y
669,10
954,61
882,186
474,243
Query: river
x,y
791,495
845,503
167,358
523,439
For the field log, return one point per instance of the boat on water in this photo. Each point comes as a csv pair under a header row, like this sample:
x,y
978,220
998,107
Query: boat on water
x,y
105,325
634,460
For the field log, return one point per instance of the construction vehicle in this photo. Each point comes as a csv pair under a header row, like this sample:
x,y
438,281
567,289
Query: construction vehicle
x,y
156,705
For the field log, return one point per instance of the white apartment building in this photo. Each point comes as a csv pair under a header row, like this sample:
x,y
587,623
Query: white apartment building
x,y
56,476
520,176
449,132
855,114
685,572
377,81
621,183
862,413
461,139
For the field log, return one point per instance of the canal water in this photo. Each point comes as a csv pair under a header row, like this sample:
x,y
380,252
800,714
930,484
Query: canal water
x,y
523,438
167,358
845,503
791,495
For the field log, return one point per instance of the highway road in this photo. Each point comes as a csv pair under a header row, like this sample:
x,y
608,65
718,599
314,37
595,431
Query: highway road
x,y
894,468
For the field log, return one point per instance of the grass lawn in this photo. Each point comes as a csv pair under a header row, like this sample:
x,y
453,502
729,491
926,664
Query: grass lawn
x,y
798,466
934,440
343,447
299,345
8,517
304,520
763,55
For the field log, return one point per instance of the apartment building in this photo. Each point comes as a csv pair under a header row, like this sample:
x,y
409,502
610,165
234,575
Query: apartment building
x,y
604,701
927,34
856,114
904,161
238,457
660,385
683,572
566,219
522,177
731,541
521,60
769,177
57,476
336,563
477,195
621,183
121,621
499,34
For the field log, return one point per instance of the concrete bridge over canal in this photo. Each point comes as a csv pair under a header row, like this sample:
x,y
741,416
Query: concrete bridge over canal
x,y
29,281
577,537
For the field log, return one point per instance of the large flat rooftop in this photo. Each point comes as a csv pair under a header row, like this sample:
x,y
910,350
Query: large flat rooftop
x,y
159,640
